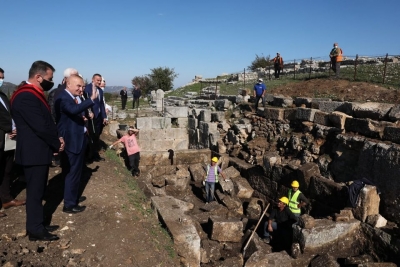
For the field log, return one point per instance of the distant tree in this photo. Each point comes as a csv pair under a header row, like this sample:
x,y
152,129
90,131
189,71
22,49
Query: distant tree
x,y
144,83
107,96
163,78
260,62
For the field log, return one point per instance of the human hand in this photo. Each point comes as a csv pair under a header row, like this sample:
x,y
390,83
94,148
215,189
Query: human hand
x,y
62,146
91,115
270,228
105,121
95,93
12,134
204,183
110,147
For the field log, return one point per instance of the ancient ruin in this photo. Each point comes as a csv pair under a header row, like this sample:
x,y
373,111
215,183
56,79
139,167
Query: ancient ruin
x,y
326,145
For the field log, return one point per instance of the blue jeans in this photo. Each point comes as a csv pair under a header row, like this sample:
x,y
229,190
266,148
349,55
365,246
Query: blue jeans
x,y
210,188
274,227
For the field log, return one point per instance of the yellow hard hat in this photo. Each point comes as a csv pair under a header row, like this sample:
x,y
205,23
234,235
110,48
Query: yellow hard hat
x,y
284,200
214,159
295,184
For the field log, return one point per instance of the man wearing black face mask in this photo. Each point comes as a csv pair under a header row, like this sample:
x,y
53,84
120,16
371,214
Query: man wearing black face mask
x,y
37,140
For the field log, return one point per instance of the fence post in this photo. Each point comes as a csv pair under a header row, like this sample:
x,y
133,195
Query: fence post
x,y
384,70
294,68
309,74
355,67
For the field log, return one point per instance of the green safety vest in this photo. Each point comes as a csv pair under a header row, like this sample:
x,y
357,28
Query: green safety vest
x,y
215,172
293,201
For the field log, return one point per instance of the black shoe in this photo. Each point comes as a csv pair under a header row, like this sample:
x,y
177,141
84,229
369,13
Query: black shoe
x,y
45,236
74,210
81,199
51,228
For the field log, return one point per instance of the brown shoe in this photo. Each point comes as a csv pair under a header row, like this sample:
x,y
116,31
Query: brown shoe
x,y
2,214
13,203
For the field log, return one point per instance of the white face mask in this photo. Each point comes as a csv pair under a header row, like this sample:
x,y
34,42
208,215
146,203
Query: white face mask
x,y
1,82
335,46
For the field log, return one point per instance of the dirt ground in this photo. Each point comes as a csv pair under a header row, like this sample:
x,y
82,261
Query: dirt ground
x,y
340,90
118,227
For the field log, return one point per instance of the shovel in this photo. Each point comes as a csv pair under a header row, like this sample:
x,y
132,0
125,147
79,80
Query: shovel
x,y
255,229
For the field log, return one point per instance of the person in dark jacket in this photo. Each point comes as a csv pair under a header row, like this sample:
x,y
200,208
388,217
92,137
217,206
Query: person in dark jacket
x,y
37,140
136,92
124,97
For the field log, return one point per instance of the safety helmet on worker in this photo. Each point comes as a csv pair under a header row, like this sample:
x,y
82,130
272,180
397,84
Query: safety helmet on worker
x,y
284,200
295,184
214,159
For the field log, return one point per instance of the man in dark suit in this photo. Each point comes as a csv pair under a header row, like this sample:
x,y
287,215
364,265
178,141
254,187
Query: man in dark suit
x,y
71,126
124,97
37,140
99,111
6,157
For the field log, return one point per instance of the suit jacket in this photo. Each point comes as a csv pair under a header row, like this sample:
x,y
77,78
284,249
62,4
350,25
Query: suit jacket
x,y
37,137
98,107
5,118
71,124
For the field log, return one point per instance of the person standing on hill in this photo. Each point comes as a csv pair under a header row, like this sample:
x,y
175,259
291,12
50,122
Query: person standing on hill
x,y
336,58
136,92
259,92
278,65
124,97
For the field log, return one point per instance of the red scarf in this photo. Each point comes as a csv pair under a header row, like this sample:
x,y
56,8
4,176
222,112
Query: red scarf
x,y
30,88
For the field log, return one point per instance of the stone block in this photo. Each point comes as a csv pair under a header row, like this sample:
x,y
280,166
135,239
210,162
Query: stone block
x,y
304,174
392,134
197,172
205,115
158,181
175,133
160,123
193,135
325,260
322,118
254,209
306,221
176,112
187,157
144,123
367,204
270,159
329,106
217,116
366,127
326,191
180,144
269,99
222,104
290,114
226,230
152,158
338,119
183,122
394,113
232,202
376,221
315,102
371,110
282,101
244,190
275,259
231,172
306,101
305,114
274,113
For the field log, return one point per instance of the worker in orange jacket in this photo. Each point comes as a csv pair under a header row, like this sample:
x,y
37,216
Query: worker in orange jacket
x,y
336,56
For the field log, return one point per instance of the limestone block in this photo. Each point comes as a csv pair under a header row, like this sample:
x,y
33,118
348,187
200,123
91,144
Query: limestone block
x,y
160,122
366,127
181,226
329,106
204,140
327,191
158,181
270,159
282,101
376,221
193,135
227,186
180,144
274,113
211,250
325,260
163,145
175,133
222,104
338,119
306,101
197,172
233,203
176,112
391,133
113,126
367,204
269,99
315,102
304,174
306,221
205,115
345,215
374,111
226,230
290,114
244,190
325,233
151,158
254,209
183,122
276,259
394,113
190,156
305,114
221,148
144,123
217,116
231,172
322,118
192,123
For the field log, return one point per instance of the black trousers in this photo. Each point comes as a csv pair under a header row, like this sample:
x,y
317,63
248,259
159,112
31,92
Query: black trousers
x,y
134,160
135,100
36,181
123,100
277,72
6,165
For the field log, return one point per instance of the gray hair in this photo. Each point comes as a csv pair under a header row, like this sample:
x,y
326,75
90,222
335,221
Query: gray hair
x,y
70,71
